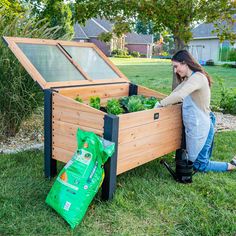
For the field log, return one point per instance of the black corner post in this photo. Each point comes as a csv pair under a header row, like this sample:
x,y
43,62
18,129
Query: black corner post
x,y
133,89
111,129
50,165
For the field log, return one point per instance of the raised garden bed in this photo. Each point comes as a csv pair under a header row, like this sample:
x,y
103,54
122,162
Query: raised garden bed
x,y
67,70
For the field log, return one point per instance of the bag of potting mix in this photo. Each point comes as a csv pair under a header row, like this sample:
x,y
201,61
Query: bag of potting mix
x,y
80,179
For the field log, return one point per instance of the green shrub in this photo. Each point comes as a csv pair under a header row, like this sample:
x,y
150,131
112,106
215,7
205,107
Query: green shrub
x,y
143,55
19,94
223,54
228,100
227,54
229,65
119,53
165,54
232,55
135,54
115,52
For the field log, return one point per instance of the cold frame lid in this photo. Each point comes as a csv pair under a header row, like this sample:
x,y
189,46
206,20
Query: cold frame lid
x,y
57,63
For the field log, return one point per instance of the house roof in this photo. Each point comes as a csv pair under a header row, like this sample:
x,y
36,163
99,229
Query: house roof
x,y
134,38
205,31
104,23
94,27
79,33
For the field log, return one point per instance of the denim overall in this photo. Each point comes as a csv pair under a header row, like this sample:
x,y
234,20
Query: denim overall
x,y
199,132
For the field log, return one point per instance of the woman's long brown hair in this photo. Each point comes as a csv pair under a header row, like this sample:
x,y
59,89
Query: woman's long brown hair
x,y
183,56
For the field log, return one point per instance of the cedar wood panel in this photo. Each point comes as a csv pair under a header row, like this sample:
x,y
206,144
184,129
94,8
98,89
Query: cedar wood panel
x,y
141,137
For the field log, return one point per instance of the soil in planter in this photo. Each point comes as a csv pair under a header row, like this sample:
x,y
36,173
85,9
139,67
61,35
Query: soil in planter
x,y
125,109
103,109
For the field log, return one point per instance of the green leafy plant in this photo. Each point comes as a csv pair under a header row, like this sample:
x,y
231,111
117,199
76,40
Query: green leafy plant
x,y
114,107
95,102
150,102
135,104
138,102
78,99
124,101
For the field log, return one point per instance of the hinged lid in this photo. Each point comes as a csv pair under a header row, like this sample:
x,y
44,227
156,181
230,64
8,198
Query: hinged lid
x,y
56,63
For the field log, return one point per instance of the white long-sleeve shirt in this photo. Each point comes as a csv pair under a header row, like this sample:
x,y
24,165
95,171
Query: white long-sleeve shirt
x,y
197,86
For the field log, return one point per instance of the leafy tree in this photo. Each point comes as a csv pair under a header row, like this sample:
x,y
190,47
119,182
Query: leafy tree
x,y
164,36
177,16
56,12
11,7
142,28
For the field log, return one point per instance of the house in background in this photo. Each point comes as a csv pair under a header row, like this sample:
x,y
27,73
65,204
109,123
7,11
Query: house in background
x,y
142,43
205,45
132,41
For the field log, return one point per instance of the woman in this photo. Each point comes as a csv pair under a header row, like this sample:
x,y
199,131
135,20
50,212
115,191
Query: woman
x,y
199,121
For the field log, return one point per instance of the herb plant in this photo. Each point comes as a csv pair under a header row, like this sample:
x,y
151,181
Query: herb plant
x,y
78,99
135,104
124,101
138,102
95,102
150,102
114,107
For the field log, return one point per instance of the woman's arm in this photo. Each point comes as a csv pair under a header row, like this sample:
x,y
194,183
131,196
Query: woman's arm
x,y
194,83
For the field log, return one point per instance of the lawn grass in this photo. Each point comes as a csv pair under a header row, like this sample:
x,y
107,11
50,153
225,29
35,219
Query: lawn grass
x,y
157,74
147,200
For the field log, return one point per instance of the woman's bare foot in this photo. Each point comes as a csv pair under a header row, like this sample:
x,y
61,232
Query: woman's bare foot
x,y
231,167
232,164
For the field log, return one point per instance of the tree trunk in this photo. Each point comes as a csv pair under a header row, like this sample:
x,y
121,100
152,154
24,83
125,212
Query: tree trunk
x,y
179,44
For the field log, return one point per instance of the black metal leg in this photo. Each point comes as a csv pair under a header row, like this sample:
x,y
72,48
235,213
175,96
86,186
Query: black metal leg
x,y
133,89
110,133
50,165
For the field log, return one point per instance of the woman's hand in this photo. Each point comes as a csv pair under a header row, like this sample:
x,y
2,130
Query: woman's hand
x,y
157,105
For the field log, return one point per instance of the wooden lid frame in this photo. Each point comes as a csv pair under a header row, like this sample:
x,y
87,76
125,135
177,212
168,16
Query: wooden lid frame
x,y
35,74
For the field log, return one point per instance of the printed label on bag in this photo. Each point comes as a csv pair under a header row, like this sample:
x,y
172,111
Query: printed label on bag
x,y
69,163
67,206
84,156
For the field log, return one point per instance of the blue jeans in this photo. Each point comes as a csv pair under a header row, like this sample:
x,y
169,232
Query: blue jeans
x,y
203,163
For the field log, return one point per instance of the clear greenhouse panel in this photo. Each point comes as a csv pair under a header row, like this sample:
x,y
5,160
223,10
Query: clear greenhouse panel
x,y
50,62
91,63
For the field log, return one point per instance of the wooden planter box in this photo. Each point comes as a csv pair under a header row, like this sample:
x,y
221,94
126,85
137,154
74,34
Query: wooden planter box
x,y
140,137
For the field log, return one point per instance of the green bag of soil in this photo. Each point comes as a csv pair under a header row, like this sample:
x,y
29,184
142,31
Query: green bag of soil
x,y
79,181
